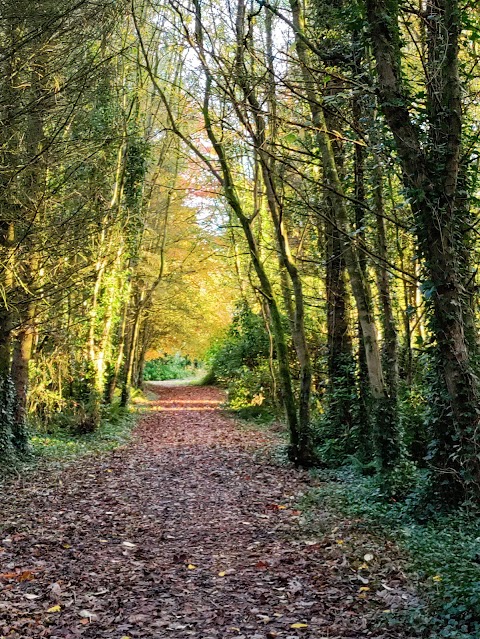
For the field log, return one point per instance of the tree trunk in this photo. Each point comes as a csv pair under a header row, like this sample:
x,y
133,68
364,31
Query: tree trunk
x,y
298,453
390,344
341,380
130,352
287,261
342,409
384,408
22,353
431,175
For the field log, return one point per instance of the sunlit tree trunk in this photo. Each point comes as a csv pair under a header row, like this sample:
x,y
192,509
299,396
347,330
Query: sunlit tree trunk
x,y
385,417
390,342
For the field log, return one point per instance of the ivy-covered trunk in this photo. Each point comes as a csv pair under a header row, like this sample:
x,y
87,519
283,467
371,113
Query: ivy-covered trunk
x,y
7,399
455,414
22,353
431,175
341,377
343,414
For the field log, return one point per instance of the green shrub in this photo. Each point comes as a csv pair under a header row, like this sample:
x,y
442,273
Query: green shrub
x,y
169,367
66,443
240,363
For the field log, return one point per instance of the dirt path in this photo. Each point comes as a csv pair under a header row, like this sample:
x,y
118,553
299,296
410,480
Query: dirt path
x,y
189,532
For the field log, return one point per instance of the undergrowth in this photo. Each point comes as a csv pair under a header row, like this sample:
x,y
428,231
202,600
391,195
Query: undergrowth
x,y
442,551
63,445
114,430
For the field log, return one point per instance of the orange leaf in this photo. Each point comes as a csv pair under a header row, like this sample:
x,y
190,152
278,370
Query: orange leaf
x,y
26,575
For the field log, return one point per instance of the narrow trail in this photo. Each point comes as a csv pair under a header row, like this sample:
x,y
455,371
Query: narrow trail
x,y
190,531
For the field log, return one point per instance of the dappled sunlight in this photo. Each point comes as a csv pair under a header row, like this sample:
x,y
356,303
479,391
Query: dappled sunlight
x,y
215,402
193,421
179,409
185,405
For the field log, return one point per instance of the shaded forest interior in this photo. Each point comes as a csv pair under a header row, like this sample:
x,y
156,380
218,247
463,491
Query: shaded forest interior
x,y
286,191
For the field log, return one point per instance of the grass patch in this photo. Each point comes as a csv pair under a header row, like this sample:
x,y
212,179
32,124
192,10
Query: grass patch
x,y
64,446
442,552
61,444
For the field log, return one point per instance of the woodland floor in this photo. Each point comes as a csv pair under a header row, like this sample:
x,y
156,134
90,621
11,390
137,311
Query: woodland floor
x,y
192,530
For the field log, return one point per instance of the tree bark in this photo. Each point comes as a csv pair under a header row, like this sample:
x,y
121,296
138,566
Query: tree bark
x,y
22,354
431,175
359,283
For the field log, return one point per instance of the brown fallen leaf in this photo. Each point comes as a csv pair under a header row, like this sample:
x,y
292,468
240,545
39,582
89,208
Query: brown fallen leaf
x,y
180,490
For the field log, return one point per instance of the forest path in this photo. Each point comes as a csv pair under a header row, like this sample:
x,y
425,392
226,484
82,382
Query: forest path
x,y
190,531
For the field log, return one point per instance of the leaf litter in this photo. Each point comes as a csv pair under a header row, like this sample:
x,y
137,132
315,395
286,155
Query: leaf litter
x,y
193,530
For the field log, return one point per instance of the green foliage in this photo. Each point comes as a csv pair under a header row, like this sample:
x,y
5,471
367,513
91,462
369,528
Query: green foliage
x,y
336,429
241,363
451,436
76,408
169,367
412,409
251,389
387,434
246,343
442,550
65,443
136,168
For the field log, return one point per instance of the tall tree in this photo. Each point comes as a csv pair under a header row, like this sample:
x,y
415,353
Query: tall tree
x,y
433,174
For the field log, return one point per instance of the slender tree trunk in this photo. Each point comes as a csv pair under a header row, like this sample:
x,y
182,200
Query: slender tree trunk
x,y
341,380
364,408
298,452
131,350
384,408
8,218
142,351
116,367
259,134
33,196
343,411
390,343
